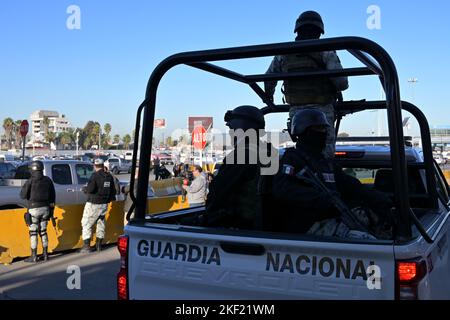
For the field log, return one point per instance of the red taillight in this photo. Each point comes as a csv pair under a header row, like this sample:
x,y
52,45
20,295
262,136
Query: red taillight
x,y
340,153
406,271
409,274
122,245
122,285
122,276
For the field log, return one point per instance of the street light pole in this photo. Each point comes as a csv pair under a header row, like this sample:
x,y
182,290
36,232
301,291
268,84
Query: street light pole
x,y
76,142
413,82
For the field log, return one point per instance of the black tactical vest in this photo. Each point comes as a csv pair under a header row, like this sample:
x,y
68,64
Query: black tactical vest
x,y
40,191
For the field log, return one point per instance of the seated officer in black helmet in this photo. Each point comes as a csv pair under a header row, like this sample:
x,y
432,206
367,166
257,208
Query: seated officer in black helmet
x,y
302,205
232,200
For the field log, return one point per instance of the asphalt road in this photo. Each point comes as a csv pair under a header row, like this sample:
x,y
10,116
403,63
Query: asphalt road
x,y
48,281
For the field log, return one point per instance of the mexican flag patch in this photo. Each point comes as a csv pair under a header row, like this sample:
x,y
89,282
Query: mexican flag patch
x,y
289,170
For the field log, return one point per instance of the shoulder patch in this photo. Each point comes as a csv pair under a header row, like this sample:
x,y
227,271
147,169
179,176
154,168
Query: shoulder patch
x,y
289,170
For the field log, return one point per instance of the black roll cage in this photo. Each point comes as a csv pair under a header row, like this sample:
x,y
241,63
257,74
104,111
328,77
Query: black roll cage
x,y
363,49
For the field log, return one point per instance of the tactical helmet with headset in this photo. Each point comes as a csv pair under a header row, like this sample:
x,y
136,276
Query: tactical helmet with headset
x,y
36,166
245,117
303,119
309,18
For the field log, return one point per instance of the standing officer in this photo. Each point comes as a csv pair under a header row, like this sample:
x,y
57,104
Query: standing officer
x,y
40,193
156,167
100,191
306,208
319,92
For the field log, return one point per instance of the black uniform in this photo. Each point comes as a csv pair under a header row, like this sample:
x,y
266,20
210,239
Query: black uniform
x,y
101,188
40,193
233,199
38,190
301,205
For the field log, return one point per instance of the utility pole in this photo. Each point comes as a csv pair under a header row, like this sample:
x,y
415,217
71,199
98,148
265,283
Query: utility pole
x,y
380,115
413,82
76,142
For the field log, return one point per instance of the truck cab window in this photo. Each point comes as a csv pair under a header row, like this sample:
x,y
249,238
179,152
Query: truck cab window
x,y
61,174
84,172
7,171
22,172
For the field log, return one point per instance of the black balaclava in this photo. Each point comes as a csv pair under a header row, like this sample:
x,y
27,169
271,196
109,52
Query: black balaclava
x,y
308,32
37,174
314,140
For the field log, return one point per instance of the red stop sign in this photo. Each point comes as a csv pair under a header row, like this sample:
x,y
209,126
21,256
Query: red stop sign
x,y
24,128
199,138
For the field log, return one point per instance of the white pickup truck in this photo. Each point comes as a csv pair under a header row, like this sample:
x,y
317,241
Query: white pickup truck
x,y
164,258
68,176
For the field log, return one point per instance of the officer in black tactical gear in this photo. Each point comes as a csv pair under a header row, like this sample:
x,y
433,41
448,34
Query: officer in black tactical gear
x,y
319,92
101,191
232,200
303,207
40,193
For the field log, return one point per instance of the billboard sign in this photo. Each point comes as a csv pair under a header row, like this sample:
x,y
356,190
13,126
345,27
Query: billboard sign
x,y
159,123
205,122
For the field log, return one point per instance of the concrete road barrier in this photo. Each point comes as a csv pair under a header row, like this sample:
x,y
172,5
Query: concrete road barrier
x,y
15,241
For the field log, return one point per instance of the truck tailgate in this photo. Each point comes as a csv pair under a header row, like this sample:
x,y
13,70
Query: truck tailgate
x,y
170,262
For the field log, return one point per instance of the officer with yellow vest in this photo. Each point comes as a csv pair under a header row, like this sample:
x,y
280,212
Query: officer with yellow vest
x,y
321,92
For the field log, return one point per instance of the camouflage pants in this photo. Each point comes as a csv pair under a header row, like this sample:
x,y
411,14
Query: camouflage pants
x,y
93,214
39,221
331,117
334,228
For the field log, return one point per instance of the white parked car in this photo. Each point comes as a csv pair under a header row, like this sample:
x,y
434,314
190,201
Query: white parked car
x,y
128,155
446,155
439,159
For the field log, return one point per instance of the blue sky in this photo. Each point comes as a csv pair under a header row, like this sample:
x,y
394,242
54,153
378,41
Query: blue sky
x,y
100,71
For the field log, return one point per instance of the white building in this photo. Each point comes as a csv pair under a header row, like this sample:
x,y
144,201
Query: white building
x,y
57,124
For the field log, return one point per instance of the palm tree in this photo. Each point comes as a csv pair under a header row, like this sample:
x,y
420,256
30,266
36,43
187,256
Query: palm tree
x,y
95,133
126,141
17,136
107,129
46,124
116,140
50,137
65,138
8,125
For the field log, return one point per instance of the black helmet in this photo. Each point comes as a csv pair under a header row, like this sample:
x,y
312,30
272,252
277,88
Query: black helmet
x,y
245,117
309,18
305,118
36,166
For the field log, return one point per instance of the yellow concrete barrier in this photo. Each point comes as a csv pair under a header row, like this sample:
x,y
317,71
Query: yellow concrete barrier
x,y
447,175
15,242
167,187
